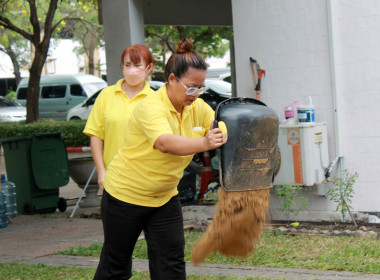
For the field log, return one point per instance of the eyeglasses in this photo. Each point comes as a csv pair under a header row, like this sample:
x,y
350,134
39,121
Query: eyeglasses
x,y
193,90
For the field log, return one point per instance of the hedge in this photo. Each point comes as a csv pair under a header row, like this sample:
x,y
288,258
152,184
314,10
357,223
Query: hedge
x,y
71,131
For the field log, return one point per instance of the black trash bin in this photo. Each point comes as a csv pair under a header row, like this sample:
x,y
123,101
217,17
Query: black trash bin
x,y
246,161
38,166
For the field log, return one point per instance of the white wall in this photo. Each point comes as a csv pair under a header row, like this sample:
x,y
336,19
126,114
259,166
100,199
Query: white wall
x,y
66,61
359,71
290,41
6,67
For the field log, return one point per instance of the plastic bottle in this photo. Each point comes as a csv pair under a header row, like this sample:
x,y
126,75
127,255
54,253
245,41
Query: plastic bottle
x,y
9,189
290,110
3,210
305,111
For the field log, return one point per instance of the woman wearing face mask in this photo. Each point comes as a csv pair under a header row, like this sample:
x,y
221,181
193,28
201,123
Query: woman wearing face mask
x,y
140,188
109,117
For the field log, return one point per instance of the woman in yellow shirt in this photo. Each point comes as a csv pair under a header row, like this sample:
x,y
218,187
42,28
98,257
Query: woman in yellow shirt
x,y
140,188
108,120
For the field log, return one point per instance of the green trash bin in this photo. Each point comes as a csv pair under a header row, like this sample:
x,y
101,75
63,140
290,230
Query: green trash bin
x,y
38,166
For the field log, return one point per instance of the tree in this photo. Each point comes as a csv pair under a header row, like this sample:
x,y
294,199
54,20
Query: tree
x,y
16,47
88,32
43,20
209,41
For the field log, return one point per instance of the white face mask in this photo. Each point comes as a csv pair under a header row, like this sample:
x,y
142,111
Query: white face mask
x,y
134,75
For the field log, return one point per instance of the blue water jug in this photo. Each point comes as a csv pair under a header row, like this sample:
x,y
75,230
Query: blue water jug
x,y
3,210
9,189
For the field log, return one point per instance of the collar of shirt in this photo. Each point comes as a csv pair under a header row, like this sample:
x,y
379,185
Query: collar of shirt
x,y
145,91
165,97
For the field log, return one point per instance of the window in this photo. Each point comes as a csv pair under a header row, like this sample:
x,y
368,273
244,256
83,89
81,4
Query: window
x,y
21,94
92,99
5,102
77,90
93,87
53,92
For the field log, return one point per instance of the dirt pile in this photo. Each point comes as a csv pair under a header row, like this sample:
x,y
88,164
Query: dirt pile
x,y
236,226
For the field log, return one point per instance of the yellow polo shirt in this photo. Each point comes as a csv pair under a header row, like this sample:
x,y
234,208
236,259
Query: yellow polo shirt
x,y
109,117
142,175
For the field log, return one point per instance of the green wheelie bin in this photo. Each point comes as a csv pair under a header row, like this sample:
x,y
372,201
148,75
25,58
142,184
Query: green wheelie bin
x,y
38,166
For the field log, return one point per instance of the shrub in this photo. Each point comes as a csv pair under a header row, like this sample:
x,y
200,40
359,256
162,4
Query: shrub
x,y
343,192
71,131
11,95
291,202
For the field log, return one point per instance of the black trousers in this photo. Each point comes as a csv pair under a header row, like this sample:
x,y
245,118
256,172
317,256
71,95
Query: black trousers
x,y
123,223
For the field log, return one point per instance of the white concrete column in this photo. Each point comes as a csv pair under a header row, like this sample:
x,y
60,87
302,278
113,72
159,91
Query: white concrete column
x,y
123,22
244,18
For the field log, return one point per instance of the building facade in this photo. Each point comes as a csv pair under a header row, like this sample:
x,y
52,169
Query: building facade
x,y
326,49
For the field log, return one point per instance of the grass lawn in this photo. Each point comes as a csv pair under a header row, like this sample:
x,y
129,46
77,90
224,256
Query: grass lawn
x,y
278,250
43,272
275,250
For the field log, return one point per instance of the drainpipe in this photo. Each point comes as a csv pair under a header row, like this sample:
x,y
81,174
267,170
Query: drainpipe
x,y
335,86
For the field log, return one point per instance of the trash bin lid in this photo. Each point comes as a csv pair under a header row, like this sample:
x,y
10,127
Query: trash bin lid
x,y
15,139
246,161
49,163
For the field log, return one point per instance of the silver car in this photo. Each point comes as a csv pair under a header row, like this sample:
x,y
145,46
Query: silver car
x,y
11,111
217,92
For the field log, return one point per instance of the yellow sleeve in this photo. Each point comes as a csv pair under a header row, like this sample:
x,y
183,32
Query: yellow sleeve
x,y
209,116
95,123
151,119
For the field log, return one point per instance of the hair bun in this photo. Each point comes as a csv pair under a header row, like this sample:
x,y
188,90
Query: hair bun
x,y
184,46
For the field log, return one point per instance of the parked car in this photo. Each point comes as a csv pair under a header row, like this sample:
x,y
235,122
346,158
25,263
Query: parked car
x,y
59,93
82,110
223,74
217,92
155,85
11,111
225,77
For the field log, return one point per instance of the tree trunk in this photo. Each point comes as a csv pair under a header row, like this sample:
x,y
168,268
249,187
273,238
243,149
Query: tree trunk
x,y
163,54
91,64
35,71
16,67
100,12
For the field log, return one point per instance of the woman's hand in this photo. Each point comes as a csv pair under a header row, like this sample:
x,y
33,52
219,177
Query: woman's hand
x,y
183,146
214,138
101,176
97,154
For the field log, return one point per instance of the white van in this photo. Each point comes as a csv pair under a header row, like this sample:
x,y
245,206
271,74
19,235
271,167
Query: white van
x,y
59,93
